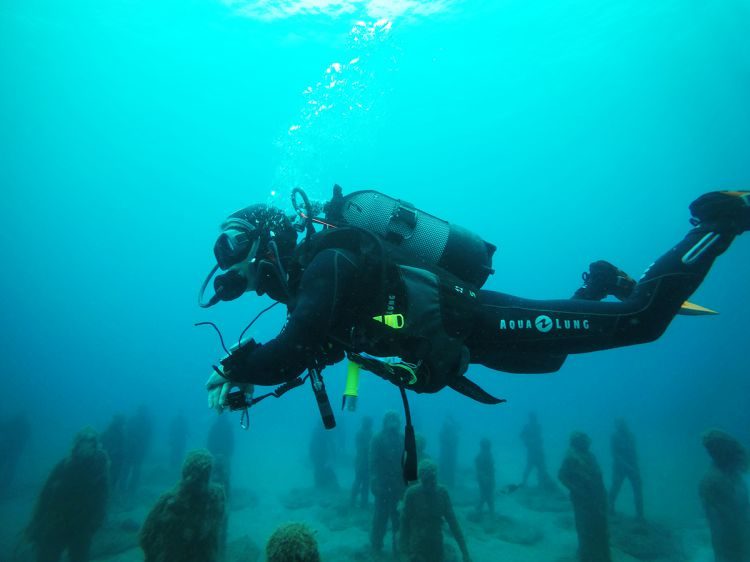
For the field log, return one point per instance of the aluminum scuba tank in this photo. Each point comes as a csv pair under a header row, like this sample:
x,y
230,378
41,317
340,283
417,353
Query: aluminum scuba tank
x,y
429,238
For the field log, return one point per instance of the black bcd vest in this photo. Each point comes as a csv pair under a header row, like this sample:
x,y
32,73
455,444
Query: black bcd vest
x,y
407,308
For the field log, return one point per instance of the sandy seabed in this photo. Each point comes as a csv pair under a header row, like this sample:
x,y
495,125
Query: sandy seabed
x,y
529,526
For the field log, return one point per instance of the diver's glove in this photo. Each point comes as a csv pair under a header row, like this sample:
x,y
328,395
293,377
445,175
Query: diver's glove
x,y
221,380
218,386
237,361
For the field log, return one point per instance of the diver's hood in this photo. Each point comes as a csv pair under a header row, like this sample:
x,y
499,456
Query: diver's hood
x,y
256,222
258,236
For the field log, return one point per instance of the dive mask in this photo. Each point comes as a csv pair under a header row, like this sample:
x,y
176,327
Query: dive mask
x,y
235,251
233,246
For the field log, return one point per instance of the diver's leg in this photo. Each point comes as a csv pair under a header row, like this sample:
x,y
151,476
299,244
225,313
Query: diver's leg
x,y
485,351
601,280
512,325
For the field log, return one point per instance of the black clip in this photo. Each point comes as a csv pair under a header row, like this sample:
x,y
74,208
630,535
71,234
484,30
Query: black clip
x,y
402,223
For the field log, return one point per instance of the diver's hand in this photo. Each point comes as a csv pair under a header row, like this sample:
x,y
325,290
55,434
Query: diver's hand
x,y
218,386
238,360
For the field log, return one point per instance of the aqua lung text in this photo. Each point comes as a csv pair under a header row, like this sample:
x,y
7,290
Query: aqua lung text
x,y
543,324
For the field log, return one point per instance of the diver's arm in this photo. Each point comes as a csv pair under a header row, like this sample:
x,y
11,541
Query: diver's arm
x,y
325,281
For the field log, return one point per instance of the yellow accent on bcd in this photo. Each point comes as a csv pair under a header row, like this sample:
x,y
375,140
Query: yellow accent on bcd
x,y
395,321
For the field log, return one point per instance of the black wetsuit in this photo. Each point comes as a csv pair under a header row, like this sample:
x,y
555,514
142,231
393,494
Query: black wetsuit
x,y
505,332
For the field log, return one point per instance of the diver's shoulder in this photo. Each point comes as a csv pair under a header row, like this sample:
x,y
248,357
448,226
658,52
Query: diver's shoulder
x,y
337,256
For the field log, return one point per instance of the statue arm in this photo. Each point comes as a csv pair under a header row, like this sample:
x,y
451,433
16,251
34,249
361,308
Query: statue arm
x,y
404,535
450,517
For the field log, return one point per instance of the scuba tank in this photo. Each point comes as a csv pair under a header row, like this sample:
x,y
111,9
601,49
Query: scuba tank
x,y
427,238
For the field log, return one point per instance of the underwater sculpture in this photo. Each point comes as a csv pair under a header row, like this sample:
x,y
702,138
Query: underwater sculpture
x,y
293,542
387,480
220,439
449,451
139,430
625,466
421,442
426,506
72,505
178,434
485,469
14,435
220,443
581,475
113,442
531,435
724,495
221,476
322,451
187,523
361,485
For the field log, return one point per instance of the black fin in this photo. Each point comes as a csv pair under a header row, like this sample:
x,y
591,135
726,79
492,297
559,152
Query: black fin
x,y
473,391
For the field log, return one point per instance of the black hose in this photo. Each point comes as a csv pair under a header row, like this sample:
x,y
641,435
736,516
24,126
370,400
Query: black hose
x,y
202,292
308,214
261,313
215,327
409,460
280,266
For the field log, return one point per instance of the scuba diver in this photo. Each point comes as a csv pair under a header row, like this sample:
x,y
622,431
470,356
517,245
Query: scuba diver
x,y
398,292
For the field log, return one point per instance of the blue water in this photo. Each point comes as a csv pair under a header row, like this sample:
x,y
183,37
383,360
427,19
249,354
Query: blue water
x,y
562,132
